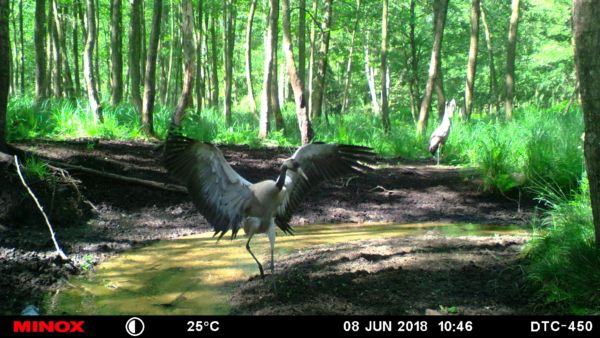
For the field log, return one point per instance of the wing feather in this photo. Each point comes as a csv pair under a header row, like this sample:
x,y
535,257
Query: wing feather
x,y
218,192
320,162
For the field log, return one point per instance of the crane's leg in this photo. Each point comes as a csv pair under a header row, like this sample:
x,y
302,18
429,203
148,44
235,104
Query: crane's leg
x,y
271,234
260,268
438,154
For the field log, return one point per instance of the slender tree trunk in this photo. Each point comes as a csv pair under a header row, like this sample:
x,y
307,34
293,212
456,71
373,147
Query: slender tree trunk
x,y
228,44
586,30
370,74
511,48
472,60
275,100
348,75
493,87
4,71
76,51
116,54
313,50
415,95
301,41
172,48
319,85
251,101
266,105
385,117
143,35
87,62
135,54
199,60
22,44
306,132
214,97
187,30
61,38
150,77
97,77
13,55
440,8
56,52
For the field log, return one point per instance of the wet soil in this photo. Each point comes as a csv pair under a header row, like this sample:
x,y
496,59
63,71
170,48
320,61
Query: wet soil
x,y
403,275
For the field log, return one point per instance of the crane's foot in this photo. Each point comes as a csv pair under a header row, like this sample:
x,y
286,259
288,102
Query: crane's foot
x,y
262,272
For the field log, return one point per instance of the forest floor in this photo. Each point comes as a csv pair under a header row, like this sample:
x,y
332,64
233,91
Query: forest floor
x,y
409,275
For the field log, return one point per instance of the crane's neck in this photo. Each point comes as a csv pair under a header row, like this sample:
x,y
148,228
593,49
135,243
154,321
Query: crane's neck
x,y
281,179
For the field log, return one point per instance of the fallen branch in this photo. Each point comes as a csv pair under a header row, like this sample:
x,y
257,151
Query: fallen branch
x,y
152,184
58,249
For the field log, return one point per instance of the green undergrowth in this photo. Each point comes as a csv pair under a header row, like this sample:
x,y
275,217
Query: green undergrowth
x,y
563,262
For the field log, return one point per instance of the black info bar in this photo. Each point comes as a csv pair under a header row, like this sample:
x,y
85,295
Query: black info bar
x,y
281,326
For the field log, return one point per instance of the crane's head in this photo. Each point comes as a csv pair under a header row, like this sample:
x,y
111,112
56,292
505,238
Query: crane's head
x,y
293,165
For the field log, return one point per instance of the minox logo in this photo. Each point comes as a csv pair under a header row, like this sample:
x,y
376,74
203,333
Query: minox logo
x,y
60,326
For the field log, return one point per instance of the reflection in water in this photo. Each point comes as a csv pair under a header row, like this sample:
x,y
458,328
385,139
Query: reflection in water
x,y
194,275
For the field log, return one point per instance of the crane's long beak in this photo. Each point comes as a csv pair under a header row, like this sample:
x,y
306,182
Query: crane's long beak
x,y
301,172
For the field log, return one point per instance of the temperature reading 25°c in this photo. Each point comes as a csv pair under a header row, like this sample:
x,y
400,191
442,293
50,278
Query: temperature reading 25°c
x,y
199,326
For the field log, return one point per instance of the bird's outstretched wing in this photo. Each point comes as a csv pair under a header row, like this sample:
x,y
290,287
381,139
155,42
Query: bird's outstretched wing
x,y
217,190
320,162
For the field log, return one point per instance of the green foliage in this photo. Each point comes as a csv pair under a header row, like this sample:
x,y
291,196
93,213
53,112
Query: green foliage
x,y
34,167
563,262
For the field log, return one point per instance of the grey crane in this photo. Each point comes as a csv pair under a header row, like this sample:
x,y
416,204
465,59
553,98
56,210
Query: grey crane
x,y
230,202
441,133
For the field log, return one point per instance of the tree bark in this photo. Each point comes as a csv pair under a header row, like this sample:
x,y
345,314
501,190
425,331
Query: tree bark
x,y
511,48
302,41
116,53
40,50
311,59
415,95
440,7
4,71
87,63
251,100
586,31
472,60
56,51
135,54
266,104
75,49
493,86
370,74
187,31
275,100
199,59
385,117
319,85
348,75
214,96
306,132
61,42
22,44
228,44
439,92
150,77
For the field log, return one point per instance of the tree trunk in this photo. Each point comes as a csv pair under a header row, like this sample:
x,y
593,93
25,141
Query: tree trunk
x,y
4,71
266,105
301,41
61,38
306,132
311,60
319,85
150,77
214,95
40,50
275,100
187,31
493,87
199,60
87,63
56,51
415,95
22,44
586,31
370,74
385,117
228,44
172,49
440,7
97,77
76,51
251,101
348,74
511,48
439,92
472,61
135,54
116,54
